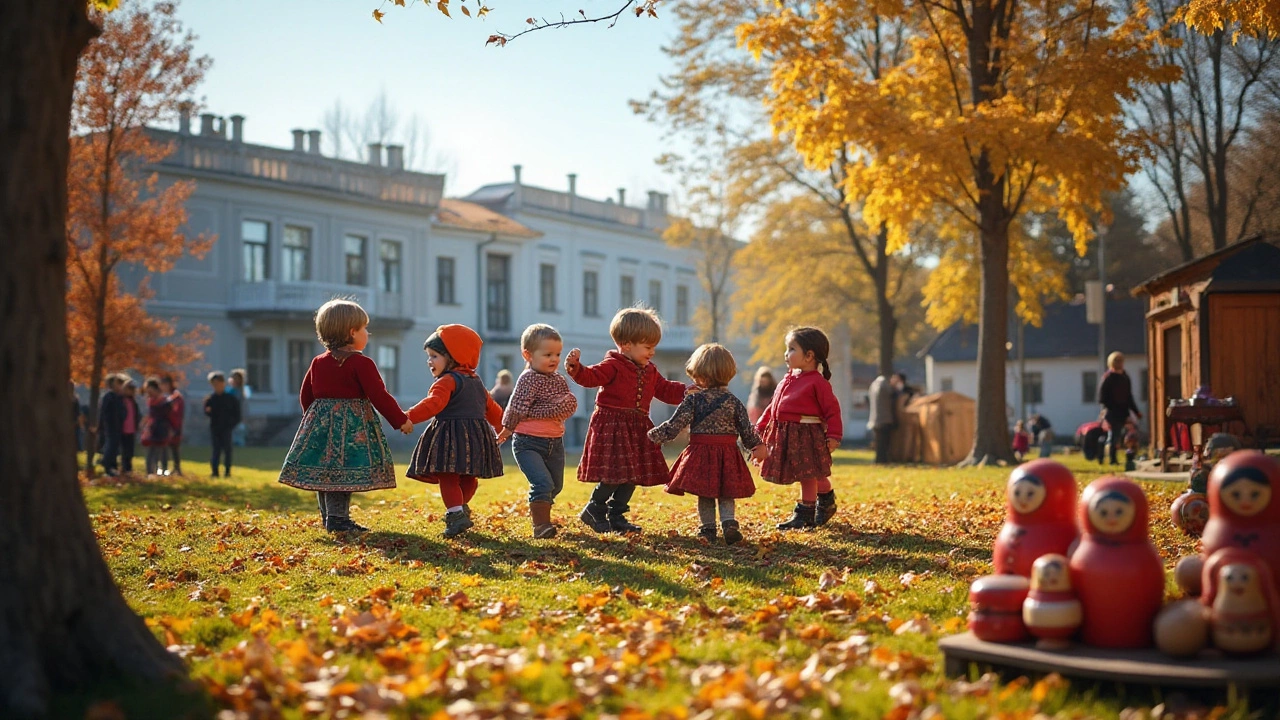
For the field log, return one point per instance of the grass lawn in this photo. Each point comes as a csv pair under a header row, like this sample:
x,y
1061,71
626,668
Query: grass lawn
x,y
276,617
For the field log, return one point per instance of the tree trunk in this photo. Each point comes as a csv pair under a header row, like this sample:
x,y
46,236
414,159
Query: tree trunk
x,y
884,307
63,623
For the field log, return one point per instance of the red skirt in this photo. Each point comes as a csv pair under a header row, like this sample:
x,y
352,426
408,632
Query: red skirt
x,y
797,451
712,467
618,450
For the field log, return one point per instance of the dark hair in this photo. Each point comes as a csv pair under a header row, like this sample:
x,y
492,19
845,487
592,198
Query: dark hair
x,y
436,343
1246,473
901,376
811,339
168,379
152,382
217,376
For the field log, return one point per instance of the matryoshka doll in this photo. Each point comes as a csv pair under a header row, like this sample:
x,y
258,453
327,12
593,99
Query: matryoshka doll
x,y
1241,512
995,603
1051,610
1115,570
1241,595
1040,516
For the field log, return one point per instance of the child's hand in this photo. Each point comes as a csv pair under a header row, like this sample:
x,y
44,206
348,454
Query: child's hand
x,y
759,453
832,444
571,361
407,427
504,436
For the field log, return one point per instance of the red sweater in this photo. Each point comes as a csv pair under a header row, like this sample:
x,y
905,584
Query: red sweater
x,y
358,377
624,385
806,393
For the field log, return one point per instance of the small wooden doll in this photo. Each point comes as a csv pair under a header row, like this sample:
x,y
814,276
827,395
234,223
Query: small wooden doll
x,y
995,602
1241,595
1051,610
1116,570
1241,514
1040,516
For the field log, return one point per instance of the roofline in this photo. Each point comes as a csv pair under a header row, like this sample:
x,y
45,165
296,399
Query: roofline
x,y
1157,283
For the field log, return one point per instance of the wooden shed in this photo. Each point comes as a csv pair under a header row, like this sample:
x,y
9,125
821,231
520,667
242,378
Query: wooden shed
x,y
1216,321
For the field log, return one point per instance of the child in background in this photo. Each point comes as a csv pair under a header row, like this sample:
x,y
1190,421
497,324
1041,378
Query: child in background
x,y
1130,446
130,424
460,444
237,388
156,429
540,403
802,427
1021,441
618,455
762,387
712,467
110,424
223,410
340,448
177,415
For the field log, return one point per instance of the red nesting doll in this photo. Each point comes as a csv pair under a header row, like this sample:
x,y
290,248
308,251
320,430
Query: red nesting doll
x,y
1040,516
1116,570
1241,511
1242,598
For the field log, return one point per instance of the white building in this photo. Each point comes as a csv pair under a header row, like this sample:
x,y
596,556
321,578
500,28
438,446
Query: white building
x,y
295,229
1062,365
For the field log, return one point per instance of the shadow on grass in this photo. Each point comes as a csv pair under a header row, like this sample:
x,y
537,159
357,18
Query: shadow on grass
x,y
226,493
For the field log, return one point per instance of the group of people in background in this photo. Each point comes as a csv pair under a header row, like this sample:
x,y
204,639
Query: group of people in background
x,y
124,423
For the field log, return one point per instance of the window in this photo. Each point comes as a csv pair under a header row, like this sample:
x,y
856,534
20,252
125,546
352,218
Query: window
x,y
547,287
255,236
498,288
1033,388
682,304
591,293
300,354
626,291
389,366
948,384
444,281
297,254
655,295
389,257
353,248
1089,387
257,363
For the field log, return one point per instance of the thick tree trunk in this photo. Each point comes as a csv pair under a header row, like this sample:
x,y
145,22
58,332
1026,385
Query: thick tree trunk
x,y
63,623
884,306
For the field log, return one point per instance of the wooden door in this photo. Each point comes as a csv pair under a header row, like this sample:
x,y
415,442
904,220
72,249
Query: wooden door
x,y
1244,353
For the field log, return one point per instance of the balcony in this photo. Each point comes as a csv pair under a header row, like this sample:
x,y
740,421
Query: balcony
x,y
275,300
677,337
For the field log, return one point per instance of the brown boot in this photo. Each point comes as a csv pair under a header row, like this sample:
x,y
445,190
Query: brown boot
x,y
540,513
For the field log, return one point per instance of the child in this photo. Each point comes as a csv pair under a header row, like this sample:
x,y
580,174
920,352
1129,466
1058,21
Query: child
x,y
129,425
156,430
1021,441
617,455
237,389
711,467
802,427
340,448
460,444
534,418
177,415
223,411
762,388
1130,446
110,424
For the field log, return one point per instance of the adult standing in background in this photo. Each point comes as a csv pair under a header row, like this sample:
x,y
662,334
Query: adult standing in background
x,y
881,397
1115,395
502,388
762,387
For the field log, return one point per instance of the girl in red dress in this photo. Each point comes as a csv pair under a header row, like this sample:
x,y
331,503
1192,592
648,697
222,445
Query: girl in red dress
x,y
802,427
712,467
617,455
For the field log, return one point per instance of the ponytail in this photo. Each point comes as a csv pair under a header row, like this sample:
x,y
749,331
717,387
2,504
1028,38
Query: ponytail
x,y
826,369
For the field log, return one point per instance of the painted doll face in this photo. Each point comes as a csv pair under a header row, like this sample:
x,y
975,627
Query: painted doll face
x,y
1111,513
1026,495
1049,573
1239,589
1246,497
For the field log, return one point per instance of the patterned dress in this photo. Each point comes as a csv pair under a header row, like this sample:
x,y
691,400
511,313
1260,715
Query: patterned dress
x,y
458,439
802,416
712,465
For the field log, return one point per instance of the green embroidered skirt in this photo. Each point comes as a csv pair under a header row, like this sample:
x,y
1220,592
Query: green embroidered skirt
x,y
339,447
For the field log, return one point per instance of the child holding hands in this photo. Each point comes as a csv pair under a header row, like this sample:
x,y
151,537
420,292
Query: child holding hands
x,y
712,467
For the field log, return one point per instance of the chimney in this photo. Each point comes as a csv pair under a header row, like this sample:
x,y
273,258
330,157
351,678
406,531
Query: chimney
x,y
313,142
517,168
222,128
206,124
653,200
299,140
237,128
375,154
622,196
184,119
573,183
395,157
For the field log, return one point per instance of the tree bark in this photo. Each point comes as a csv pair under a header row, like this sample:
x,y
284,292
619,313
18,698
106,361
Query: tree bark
x,y
884,307
63,622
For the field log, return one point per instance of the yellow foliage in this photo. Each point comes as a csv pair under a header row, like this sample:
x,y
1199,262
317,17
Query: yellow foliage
x,y
1244,17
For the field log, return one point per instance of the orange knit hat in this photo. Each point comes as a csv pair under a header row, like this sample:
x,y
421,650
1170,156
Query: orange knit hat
x,y
460,342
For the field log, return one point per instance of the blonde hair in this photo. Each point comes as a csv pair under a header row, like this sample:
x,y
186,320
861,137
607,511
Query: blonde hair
x,y
636,325
533,336
762,372
504,374
336,320
711,364
1113,358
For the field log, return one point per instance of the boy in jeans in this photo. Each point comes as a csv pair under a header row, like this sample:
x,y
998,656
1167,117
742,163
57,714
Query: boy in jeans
x,y
223,410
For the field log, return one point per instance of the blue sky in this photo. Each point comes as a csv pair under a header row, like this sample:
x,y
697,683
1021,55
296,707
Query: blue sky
x,y
554,101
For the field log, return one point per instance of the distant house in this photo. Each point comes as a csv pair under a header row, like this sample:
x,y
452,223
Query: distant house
x,y
1062,364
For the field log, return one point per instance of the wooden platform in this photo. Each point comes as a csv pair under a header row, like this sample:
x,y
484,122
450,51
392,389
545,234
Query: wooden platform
x,y
1137,667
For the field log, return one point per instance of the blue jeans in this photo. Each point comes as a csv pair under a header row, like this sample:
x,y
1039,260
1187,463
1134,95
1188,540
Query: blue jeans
x,y
542,462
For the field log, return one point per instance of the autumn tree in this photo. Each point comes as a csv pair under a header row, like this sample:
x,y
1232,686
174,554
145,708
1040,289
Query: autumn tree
x,y
1242,17
138,72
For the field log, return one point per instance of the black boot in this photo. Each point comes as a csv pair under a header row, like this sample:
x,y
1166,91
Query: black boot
x,y
826,508
732,536
708,532
456,523
343,525
595,518
618,523
801,517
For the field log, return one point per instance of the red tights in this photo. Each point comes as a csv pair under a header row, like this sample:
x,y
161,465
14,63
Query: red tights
x,y
456,490
809,490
